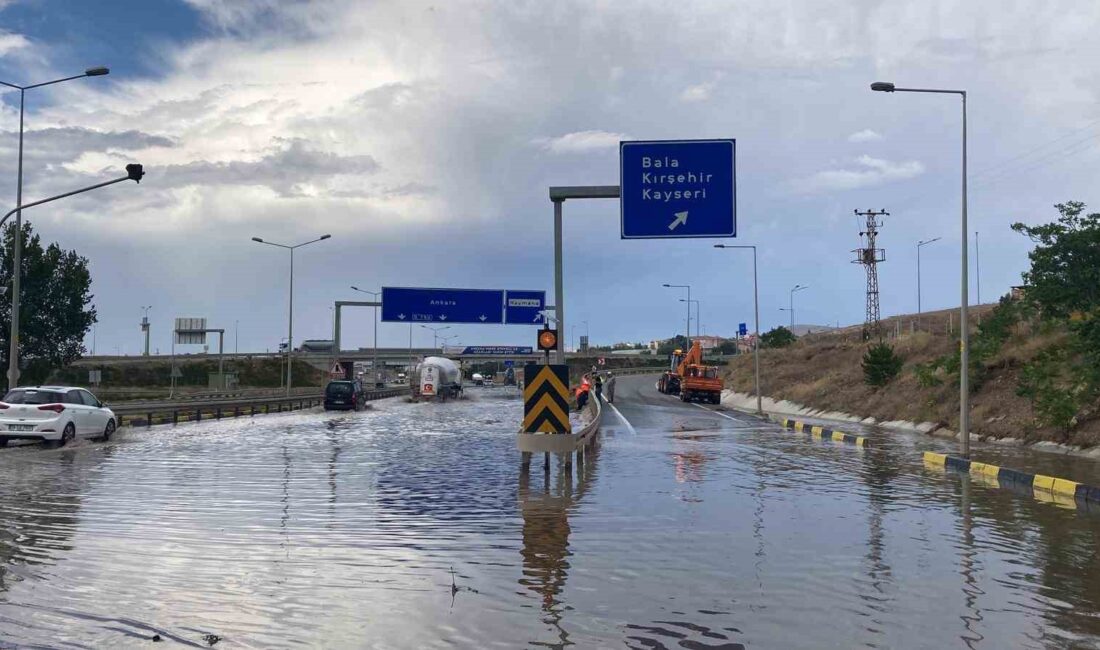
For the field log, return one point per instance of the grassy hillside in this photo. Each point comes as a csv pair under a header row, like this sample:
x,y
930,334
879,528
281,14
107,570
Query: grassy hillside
x,y
824,371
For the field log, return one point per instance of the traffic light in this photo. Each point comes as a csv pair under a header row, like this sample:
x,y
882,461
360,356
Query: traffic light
x,y
134,171
548,340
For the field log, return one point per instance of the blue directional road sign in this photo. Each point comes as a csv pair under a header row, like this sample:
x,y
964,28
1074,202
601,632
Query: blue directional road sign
x,y
524,307
421,305
497,350
743,329
678,188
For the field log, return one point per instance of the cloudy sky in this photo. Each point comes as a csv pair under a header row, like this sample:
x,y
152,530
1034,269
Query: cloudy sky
x,y
423,137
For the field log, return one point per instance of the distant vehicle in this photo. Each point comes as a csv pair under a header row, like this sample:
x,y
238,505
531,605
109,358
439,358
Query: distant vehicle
x,y
436,378
402,378
344,395
316,345
54,413
690,379
489,381
479,379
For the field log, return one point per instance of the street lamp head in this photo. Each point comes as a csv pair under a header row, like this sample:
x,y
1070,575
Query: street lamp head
x,y
356,289
97,71
257,239
666,285
323,237
883,87
135,172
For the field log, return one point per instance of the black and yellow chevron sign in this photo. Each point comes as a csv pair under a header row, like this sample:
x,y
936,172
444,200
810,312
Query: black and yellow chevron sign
x,y
546,399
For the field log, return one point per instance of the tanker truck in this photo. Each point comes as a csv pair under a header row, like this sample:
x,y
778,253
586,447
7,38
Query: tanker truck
x,y
436,378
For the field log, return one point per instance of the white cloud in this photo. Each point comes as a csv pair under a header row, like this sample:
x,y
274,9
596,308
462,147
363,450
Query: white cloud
x,y
866,135
10,42
869,172
697,93
581,141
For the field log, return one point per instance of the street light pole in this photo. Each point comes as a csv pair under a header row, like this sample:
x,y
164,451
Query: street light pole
x,y
435,335
794,289
697,319
290,309
17,253
921,244
756,310
374,362
964,298
977,267
134,172
688,287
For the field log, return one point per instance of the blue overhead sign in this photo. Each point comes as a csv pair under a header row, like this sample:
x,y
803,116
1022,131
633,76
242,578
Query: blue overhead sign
x,y
524,307
497,350
743,329
678,188
419,305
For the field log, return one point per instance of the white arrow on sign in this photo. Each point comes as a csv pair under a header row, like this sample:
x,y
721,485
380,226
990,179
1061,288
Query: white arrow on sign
x,y
681,217
538,318
482,317
401,316
443,317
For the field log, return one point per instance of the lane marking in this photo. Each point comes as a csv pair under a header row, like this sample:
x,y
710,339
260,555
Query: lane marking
x,y
624,420
728,417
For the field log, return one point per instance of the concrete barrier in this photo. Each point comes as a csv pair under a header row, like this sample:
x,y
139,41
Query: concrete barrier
x,y
1045,488
822,433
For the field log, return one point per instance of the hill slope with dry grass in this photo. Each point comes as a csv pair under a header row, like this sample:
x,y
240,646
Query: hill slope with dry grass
x,y
824,371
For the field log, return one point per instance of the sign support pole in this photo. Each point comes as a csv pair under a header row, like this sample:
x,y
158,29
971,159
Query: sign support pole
x,y
559,298
558,196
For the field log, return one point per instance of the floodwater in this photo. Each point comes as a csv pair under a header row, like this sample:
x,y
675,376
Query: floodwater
x,y
412,526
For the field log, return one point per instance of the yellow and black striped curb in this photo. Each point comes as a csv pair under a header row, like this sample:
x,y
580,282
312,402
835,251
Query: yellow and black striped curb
x,y
824,433
1046,488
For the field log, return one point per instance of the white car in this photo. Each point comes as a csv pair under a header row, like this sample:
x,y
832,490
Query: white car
x,y
57,413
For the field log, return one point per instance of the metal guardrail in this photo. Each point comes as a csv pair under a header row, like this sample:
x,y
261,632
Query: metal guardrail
x,y
619,372
176,412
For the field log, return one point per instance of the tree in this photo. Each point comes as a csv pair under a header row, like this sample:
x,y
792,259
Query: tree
x,y
1065,265
55,311
880,365
727,346
678,342
779,337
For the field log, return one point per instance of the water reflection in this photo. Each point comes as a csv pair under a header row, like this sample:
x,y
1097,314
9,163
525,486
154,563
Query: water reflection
x,y
38,521
545,510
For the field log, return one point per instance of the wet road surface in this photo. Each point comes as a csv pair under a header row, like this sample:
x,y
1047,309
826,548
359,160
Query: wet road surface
x,y
412,526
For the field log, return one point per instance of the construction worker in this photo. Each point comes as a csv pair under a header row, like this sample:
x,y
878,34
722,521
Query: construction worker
x,y
582,393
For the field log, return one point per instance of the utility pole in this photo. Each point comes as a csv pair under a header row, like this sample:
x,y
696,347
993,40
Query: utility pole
x,y
870,256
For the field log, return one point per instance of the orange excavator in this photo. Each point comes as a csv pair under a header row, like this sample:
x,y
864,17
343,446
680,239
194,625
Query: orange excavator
x,y
689,378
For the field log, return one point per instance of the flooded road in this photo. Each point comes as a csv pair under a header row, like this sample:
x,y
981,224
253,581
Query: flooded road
x,y
411,526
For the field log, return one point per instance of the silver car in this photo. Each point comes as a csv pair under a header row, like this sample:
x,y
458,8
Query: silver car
x,y
54,413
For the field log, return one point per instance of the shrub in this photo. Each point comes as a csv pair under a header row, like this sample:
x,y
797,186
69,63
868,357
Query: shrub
x,y
880,365
780,337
